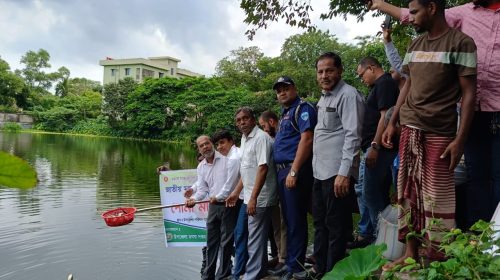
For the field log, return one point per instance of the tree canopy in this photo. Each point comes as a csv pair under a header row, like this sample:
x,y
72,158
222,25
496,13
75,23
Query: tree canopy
x,y
260,13
11,86
168,108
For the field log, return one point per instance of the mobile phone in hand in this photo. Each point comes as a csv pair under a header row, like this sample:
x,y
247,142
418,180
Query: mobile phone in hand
x,y
387,22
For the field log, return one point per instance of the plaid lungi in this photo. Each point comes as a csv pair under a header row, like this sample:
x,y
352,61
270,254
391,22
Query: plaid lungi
x,y
426,190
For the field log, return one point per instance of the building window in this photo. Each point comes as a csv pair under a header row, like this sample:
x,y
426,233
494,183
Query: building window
x,y
160,75
137,74
113,72
147,73
172,71
127,71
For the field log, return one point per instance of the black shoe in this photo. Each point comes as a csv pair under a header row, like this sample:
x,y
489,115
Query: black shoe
x,y
272,263
360,243
278,270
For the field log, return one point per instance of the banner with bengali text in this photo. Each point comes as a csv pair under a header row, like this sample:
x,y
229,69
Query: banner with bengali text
x,y
184,227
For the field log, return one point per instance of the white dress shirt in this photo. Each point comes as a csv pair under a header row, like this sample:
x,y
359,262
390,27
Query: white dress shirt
x,y
211,177
233,174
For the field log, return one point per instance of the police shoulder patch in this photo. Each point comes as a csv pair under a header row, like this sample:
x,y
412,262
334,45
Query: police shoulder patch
x,y
304,116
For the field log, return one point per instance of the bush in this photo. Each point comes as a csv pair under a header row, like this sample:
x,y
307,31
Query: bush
x,y
57,119
474,254
97,126
8,109
11,127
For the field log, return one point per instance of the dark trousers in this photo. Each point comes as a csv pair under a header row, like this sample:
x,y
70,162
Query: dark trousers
x,y
294,204
482,159
272,242
332,223
220,226
240,241
377,183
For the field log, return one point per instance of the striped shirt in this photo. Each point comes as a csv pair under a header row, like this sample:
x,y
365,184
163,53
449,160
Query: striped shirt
x,y
482,25
434,66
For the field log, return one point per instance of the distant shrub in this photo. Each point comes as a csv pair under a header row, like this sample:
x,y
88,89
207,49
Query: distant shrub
x,y
11,127
97,126
58,119
8,109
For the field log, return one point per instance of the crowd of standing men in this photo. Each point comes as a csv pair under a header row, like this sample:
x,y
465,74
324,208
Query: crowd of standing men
x,y
328,156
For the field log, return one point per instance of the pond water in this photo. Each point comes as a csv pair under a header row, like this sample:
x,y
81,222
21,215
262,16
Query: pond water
x,y
55,228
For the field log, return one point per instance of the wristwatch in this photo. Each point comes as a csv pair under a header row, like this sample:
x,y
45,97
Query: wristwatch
x,y
375,145
293,173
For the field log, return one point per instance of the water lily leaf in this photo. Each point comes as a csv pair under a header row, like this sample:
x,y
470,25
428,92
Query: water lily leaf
x,y
359,264
15,172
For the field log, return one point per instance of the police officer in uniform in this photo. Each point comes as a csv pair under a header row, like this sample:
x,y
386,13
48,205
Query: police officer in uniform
x,y
293,156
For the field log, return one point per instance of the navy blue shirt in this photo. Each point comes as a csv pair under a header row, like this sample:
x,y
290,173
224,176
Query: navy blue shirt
x,y
288,138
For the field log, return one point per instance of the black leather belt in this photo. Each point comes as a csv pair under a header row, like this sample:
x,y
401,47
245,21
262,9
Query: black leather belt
x,y
281,166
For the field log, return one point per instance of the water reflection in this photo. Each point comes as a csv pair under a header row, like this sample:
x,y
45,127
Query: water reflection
x,y
55,229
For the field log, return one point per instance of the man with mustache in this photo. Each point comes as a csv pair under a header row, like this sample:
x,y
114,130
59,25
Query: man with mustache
x,y
216,180
336,145
293,155
258,178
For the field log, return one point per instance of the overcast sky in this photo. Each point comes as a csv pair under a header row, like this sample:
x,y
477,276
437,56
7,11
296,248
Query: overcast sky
x,y
79,33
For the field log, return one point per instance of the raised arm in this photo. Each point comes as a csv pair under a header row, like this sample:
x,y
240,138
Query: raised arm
x,y
453,15
385,7
392,53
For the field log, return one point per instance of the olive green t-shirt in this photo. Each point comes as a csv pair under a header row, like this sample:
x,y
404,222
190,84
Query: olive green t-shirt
x,y
434,67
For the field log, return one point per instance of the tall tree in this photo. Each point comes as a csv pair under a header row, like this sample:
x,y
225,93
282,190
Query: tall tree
x,y
115,100
88,104
78,86
10,86
240,68
299,53
35,64
62,79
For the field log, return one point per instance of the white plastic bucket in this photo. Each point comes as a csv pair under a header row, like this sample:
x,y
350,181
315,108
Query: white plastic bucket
x,y
388,233
496,227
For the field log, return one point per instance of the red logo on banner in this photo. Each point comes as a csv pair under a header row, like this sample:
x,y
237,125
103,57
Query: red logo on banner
x,y
165,179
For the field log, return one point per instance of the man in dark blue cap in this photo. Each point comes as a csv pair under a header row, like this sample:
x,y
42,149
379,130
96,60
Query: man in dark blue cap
x,y
292,153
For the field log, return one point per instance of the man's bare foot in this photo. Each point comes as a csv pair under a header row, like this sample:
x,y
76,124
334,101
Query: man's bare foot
x,y
400,262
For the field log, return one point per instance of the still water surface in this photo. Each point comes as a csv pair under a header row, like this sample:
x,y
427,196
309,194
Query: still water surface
x,y
55,229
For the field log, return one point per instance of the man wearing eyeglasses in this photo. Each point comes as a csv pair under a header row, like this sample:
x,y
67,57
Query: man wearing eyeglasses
x,y
375,169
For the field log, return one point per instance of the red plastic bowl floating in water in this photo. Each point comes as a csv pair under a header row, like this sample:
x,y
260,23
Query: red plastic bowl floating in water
x,y
119,216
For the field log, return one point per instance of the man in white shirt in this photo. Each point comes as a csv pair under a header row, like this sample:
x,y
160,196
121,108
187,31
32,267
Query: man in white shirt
x,y
258,176
216,180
